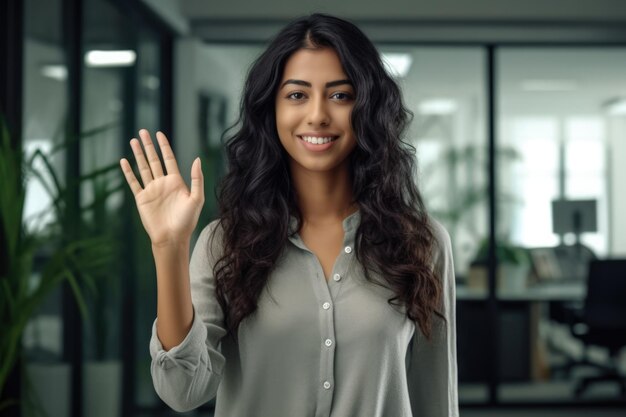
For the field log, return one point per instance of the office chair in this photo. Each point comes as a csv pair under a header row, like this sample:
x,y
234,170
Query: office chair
x,y
604,319
568,263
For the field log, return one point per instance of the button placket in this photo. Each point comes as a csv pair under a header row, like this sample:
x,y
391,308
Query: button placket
x,y
347,259
328,299
329,354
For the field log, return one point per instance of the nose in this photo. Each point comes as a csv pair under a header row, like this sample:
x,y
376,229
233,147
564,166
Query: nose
x,y
318,112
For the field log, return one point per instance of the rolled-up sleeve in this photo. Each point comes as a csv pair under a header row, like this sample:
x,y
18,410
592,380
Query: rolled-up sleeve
x,y
432,369
188,375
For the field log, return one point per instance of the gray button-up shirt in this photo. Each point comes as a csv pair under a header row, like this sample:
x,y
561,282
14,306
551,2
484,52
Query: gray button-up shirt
x,y
314,348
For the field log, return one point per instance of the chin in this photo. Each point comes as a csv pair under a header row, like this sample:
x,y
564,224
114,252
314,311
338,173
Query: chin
x,y
320,164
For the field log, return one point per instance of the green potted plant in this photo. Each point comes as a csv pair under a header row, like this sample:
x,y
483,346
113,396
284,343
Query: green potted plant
x,y
67,257
513,266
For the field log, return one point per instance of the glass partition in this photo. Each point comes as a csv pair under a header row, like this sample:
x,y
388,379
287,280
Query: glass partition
x,y
109,59
557,211
46,381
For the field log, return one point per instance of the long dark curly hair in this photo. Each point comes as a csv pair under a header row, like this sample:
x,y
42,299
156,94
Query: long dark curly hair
x,y
256,198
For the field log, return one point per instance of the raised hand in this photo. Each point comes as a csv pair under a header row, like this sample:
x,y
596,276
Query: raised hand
x,y
169,211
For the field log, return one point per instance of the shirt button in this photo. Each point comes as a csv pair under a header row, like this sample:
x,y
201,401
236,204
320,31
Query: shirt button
x,y
326,384
326,306
336,277
348,249
328,342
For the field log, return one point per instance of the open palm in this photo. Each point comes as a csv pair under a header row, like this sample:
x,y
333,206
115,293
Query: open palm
x,y
168,210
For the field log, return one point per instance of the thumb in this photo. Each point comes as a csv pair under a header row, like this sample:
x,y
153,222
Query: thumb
x,y
197,180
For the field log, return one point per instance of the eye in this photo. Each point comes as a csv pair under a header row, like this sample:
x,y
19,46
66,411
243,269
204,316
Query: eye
x,y
291,96
343,96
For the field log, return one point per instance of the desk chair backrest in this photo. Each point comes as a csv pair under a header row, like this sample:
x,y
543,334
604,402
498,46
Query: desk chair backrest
x,y
605,303
574,261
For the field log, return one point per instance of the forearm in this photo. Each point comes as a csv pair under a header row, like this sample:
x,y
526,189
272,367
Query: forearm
x,y
187,364
174,307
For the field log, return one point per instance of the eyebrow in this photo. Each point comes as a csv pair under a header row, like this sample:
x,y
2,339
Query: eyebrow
x,y
308,84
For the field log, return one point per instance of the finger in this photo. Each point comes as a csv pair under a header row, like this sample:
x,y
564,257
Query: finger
x,y
135,187
153,157
197,181
144,168
168,155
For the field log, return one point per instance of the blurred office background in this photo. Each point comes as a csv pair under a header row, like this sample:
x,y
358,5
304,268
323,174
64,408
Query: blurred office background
x,y
520,134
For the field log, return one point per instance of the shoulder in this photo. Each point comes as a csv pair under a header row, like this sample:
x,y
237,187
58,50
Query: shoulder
x,y
443,243
443,267
211,229
211,236
442,260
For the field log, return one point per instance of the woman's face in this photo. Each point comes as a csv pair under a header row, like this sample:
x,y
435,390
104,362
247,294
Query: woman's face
x,y
314,102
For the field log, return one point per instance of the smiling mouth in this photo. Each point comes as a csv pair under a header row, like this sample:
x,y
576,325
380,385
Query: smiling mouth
x,y
318,141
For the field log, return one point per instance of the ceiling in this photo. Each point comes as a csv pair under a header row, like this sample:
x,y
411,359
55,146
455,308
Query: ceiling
x,y
451,21
475,10
390,20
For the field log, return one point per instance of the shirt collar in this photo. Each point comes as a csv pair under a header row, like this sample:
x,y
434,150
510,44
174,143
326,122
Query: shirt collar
x,y
350,225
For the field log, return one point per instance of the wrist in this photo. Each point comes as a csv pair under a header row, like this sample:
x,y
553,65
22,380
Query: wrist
x,y
171,246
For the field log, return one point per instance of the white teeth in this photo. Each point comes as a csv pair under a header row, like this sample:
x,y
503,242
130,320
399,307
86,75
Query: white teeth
x,y
315,140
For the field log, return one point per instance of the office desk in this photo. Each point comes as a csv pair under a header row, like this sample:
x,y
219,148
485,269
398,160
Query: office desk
x,y
566,291
523,352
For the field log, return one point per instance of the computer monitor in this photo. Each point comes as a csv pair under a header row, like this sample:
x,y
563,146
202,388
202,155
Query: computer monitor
x,y
574,216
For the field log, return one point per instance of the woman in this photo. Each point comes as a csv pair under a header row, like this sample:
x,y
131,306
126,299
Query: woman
x,y
324,288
